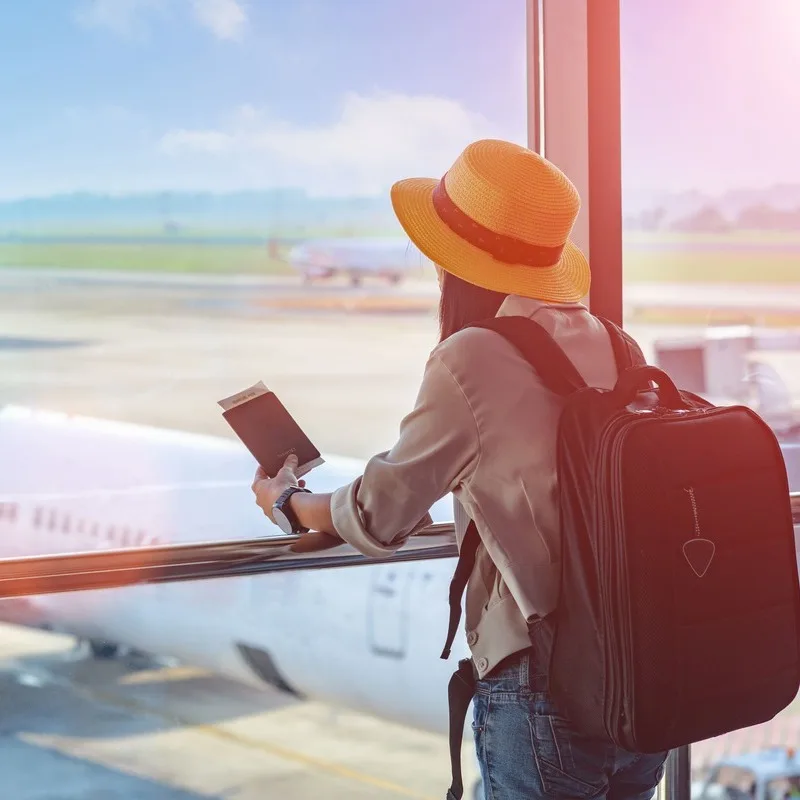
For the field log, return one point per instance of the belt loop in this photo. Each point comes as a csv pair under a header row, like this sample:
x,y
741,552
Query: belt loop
x,y
525,672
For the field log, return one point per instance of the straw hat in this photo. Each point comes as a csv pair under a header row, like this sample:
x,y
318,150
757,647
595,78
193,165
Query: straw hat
x,y
500,219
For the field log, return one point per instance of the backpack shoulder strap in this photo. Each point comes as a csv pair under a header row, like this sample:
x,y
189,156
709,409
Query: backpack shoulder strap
x,y
627,352
461,688
540,350
466,561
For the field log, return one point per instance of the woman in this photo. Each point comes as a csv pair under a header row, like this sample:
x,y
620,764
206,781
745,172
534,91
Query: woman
x,y
497,227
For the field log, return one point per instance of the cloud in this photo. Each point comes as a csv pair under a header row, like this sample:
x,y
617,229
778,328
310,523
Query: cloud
x,y
226,19
369,142
374,141
120,16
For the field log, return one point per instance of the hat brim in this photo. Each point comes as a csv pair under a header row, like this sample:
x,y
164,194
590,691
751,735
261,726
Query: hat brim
x,y
567,281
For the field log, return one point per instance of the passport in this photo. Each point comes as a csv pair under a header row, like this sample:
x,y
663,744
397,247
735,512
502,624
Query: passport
x,y
268,430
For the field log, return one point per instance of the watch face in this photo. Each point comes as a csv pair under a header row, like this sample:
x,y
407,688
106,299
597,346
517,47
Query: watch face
x,y
281,520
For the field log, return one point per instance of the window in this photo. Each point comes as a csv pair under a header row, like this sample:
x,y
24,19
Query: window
x,y
711,198
194,196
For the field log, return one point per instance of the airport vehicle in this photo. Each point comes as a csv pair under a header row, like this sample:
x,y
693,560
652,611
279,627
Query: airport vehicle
x,y
391,259
767,775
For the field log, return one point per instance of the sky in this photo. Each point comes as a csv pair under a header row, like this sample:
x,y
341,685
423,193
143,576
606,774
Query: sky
x,y
346,96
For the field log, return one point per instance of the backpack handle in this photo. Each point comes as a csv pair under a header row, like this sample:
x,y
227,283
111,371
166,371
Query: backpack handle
x,y
635,379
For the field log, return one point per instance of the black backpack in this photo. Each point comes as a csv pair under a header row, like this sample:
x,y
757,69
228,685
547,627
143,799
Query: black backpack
x,y
679,612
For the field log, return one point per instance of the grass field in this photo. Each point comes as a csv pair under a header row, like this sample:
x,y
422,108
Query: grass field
x,y
665,258
712,266
179,257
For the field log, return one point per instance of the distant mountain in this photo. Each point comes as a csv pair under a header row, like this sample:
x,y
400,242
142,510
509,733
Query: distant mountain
x,y
782,197
267,211
289,212
771,208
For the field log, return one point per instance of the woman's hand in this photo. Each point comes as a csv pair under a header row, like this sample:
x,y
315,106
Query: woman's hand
x,y
267,490
313,511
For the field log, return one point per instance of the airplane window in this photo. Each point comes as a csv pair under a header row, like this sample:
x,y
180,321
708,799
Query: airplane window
x,y
711,211
37,517
52,523
65,524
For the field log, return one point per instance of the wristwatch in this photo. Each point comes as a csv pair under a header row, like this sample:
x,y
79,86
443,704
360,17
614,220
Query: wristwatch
x,y
282,512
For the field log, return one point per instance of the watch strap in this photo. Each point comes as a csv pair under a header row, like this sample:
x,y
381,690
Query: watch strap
x,y
282,503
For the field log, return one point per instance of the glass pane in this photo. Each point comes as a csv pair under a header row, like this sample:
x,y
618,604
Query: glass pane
x,y
712,253
194,197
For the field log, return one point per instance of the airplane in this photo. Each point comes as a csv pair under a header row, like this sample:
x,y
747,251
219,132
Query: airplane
x,y
71,483
356,258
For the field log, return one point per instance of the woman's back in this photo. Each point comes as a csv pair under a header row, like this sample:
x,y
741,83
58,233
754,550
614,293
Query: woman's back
x,y
510,489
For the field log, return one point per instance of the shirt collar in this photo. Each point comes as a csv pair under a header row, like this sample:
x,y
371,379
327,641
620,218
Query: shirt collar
x,y
517,306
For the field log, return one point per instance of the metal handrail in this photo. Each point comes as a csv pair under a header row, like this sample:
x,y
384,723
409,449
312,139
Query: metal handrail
x,y
107,569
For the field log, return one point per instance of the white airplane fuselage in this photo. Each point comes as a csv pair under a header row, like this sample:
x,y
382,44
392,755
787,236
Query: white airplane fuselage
x,y
365,637
356,257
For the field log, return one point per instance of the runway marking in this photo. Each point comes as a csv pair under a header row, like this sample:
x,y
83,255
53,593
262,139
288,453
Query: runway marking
x,y
176,721
160,675
350,303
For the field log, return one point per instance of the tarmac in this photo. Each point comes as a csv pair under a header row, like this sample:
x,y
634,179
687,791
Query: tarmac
x,y
74,728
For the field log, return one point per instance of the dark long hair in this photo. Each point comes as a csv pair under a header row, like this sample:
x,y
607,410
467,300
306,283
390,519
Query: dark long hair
x,y
463,303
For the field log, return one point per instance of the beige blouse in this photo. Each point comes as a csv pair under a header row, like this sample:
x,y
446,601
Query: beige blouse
x,y
483,428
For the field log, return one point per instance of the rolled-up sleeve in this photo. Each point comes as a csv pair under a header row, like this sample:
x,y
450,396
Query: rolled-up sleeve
x,y
437,448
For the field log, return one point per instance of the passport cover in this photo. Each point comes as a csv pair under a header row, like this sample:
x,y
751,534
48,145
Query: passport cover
x,y
268,430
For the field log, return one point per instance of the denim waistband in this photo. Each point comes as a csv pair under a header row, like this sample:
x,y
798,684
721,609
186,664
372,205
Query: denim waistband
x,y
522,670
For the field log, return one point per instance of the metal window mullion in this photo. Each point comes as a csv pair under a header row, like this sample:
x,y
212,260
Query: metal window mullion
x,y
574,118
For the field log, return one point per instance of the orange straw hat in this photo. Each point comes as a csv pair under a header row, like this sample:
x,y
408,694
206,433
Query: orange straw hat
x,y
500,219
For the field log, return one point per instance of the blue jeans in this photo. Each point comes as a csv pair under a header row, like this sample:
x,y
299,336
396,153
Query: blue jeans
x,y
528,751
